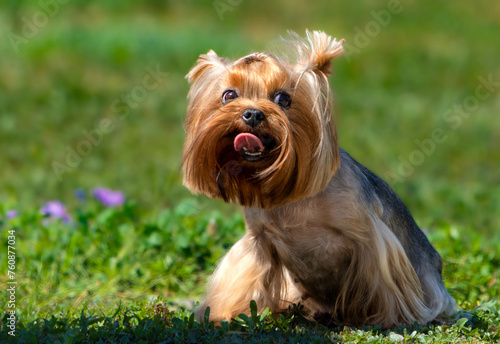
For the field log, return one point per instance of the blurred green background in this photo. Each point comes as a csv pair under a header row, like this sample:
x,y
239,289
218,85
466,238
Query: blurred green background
x,y
409,67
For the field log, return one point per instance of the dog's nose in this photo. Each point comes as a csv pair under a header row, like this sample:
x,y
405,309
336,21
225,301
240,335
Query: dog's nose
x,y
253,117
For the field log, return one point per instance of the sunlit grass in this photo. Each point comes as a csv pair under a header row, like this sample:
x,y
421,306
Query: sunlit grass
x,y
94,258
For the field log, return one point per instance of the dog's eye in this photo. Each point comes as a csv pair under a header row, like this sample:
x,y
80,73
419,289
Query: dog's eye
x,y
282,99
229,95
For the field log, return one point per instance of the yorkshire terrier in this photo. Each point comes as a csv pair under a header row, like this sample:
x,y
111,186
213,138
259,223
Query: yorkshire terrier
x,y
322,230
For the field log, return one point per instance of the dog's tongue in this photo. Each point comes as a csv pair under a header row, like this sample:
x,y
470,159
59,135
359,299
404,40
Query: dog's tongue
x,y
248,141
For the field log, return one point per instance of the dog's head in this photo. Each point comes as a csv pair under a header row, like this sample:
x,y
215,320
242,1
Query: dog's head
x,y
260,130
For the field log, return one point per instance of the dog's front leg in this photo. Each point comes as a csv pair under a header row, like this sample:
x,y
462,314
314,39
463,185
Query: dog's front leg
x,y
249,271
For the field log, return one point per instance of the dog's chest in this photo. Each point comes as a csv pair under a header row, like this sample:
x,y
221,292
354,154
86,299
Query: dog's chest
x,y
315,254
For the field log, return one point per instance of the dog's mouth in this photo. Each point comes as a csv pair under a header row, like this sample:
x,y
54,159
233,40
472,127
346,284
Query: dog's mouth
x,y
252,148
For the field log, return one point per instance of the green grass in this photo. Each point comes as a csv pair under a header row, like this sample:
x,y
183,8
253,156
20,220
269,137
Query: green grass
x,y
98,276
101,275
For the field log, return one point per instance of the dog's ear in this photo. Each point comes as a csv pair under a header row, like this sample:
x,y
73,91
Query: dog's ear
x,y
206,62
317,52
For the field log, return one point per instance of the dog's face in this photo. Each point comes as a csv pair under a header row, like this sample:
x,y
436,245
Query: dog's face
x,y
260,130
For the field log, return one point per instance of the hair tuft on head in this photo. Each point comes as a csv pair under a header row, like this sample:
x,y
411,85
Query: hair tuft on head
x,y
316,52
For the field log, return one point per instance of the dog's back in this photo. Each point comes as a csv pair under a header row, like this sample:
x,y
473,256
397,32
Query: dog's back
x,y
425,260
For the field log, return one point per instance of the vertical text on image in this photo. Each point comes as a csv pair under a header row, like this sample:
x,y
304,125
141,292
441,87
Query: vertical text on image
x,y
11,282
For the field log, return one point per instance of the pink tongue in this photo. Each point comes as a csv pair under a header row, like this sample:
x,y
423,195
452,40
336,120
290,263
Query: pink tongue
x,y
248,141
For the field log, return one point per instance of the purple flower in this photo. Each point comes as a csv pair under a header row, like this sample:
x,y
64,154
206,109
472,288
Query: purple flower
x,y
11,214
57,210
80,194
108,197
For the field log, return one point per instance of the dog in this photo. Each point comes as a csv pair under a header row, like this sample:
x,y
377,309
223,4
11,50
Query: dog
x,y
322,230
